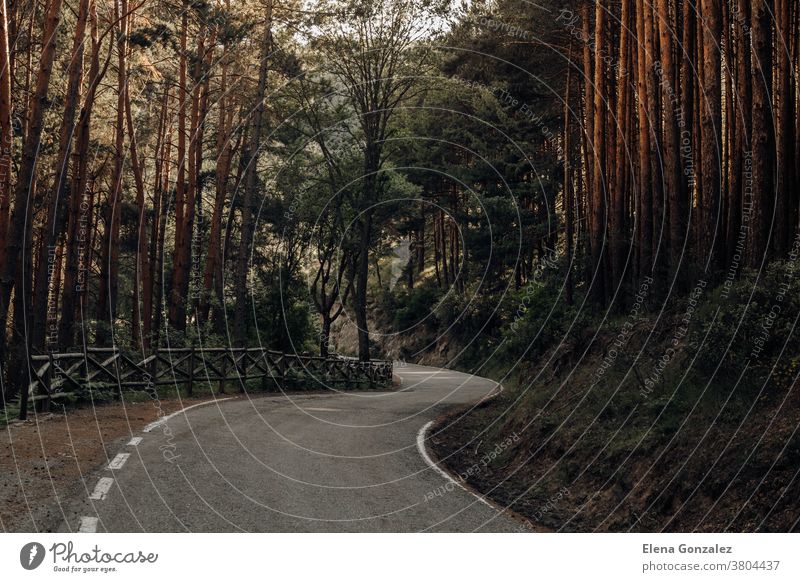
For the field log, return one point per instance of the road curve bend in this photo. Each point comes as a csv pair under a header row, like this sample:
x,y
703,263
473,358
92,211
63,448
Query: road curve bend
x,y
332,462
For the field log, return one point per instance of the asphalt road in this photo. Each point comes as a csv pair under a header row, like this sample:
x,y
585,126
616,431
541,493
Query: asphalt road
x,y
339,462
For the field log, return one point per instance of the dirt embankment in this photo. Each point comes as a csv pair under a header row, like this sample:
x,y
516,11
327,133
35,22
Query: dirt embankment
x,y
622,455
44,459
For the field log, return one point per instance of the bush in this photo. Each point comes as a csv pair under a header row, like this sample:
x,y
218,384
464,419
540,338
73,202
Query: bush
x,y
751,321
415,306
538,319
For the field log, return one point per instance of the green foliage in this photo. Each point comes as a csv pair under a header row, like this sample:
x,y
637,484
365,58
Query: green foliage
x,y
536,318
415,306
751,321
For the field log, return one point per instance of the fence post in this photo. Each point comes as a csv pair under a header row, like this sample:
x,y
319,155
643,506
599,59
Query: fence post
x,y
23,398
243,369
44,405
223,368
153,367
266,379
190,387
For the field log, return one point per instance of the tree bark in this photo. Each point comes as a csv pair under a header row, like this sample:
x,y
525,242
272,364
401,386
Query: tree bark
x,y
6,131
17,269
80,210
673,184
763,132
740,184
783,127
44,307
109,262
223,167
177,305
568,188
251,155
619,227
599,190
142,292
711,128
644,219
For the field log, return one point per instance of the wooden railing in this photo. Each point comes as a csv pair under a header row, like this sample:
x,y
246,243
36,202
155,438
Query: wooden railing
x,y
70,374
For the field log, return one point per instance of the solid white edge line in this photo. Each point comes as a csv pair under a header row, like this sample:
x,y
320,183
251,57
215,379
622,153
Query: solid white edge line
x,y
102,488
495,391
134,442
164,419
421,436
119,461
88,525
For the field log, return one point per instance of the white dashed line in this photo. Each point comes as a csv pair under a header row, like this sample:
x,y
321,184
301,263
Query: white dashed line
x,y
118,461
134,442
88,525
161,421
102,488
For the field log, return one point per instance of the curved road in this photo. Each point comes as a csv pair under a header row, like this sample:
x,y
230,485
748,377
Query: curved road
x,y
334,462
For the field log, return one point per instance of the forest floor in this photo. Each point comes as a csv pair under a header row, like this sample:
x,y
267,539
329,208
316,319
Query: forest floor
x,y
44,458
686,457
676,485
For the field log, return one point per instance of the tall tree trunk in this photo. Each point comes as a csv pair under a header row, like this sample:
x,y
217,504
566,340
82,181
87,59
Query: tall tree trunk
x,y
688,62
157,253
656,210
109,262
185,230
763,133
588,91
80,209
59,201
148,277
223,168
739,185
619,227
644,219
568,186
17,268
600,190
362,276
6,131
711,128
177,305
250,155
783,126
673,184
140,326
196,251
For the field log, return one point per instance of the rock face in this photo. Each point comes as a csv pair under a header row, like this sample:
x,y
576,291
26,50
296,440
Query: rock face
x,y
402,255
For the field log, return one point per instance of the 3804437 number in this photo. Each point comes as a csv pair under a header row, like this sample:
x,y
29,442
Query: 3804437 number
x,y
766,565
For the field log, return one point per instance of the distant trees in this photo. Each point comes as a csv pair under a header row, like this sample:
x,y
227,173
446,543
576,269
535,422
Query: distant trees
x,y
372,48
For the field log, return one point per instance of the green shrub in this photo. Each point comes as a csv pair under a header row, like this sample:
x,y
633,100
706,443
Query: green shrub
x,y
415,306
751,321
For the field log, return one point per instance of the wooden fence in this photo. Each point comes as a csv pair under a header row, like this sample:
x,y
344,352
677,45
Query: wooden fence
x,y
70,374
